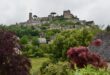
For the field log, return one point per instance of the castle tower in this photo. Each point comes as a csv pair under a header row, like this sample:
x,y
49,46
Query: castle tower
x,y
67,14
30,16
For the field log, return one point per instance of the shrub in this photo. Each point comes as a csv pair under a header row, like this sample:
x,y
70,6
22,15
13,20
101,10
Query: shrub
x,y
62,68
35,41
88,70
54,69
32,51
11,60
24,40
81,57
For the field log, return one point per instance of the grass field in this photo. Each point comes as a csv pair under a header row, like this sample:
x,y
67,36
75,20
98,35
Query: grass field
x,y
36,64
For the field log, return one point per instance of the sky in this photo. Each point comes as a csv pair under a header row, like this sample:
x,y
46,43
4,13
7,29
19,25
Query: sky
x,y
15,11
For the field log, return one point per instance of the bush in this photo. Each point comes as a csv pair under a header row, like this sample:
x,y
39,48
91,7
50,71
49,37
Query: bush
x,y
81,57
24,40
88,70
62,68
32,51
54,69
35,41
11,60
39,53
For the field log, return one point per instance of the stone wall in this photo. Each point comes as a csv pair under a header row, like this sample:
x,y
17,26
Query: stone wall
x,y
104,48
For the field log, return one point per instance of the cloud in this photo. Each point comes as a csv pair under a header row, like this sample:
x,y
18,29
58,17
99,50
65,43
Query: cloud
x,y
13,11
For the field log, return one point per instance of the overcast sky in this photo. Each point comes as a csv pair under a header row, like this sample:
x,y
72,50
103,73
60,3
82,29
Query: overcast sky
x,y
12,11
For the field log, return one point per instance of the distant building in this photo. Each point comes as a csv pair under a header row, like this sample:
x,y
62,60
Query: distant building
x,y
34,20
82,22
90,23
42,40
67,14
50,17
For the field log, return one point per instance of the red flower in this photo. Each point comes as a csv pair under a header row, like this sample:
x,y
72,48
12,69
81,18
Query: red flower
x,y
97,42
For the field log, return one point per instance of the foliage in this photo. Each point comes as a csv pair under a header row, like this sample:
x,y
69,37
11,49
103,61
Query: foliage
x,y
70,38
108,28
24,40
11,61
62,22
50,33
81,57
89,70
31,47
62,68
35,41
44,48
54,69
21,30
32,51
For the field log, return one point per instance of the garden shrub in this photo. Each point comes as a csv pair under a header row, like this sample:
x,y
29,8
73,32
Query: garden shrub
x,y
82,56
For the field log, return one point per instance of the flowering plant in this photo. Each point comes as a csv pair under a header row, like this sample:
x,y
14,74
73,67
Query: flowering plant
x,y
81,57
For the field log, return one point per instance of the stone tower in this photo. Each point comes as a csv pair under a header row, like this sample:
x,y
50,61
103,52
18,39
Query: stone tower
x,y
30,16
67,14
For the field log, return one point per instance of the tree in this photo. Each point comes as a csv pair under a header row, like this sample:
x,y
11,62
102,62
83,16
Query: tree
x,y
24,40
51,33
108,28
12,62
35,41
53,13
70,38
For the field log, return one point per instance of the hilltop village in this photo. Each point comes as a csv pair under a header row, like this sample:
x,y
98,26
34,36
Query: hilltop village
x,y
48,27
53,21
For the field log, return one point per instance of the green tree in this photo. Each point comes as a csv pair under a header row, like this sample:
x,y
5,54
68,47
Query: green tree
x,y
35,41
24,40
70,38
108,28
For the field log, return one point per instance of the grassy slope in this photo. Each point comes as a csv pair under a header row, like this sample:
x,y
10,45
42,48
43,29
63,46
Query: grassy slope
x,y
36,64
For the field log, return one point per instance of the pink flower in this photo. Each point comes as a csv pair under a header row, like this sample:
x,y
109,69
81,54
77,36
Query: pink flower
x,y
97,42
